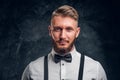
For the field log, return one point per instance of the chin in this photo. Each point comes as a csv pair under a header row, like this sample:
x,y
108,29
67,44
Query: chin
x,y
64,49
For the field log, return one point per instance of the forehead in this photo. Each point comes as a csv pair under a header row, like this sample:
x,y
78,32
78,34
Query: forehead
x,y
63,21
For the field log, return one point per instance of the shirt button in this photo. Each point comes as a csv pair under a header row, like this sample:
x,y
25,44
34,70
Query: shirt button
x,y
62,79
62,65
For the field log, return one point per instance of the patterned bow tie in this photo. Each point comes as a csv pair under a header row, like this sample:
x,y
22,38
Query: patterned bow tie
x,y
58,58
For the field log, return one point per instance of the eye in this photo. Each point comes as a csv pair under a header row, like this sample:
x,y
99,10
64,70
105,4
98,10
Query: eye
x,y
69,29
57,29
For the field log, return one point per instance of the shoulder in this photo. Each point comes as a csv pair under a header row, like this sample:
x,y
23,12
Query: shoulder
x,y
35,67
94,69
92,64
90,60
37,64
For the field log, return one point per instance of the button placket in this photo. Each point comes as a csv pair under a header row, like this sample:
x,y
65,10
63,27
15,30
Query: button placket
x,y
63,71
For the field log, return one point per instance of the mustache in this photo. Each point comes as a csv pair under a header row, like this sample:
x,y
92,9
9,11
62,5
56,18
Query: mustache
x,y
62,40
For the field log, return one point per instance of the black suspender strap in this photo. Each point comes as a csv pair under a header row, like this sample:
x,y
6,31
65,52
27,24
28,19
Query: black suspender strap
x,y
45,68
81,67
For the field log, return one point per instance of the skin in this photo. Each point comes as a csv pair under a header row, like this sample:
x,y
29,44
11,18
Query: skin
x,y
64,31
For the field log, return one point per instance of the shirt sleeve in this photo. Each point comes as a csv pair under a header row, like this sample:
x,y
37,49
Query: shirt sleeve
x,y
26,74
101,73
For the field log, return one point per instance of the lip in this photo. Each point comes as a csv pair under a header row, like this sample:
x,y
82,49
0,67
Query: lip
x,y
62,42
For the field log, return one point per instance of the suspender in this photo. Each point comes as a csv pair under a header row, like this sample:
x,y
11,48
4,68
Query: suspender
x,y
80,68
45,68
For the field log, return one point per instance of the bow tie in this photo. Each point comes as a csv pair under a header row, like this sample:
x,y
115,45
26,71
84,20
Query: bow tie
x,y
58,58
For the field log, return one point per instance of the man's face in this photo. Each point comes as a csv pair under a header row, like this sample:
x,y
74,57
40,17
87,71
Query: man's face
x,y
63,31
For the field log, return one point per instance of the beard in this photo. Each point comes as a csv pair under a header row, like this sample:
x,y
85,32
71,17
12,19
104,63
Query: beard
x,y
63,50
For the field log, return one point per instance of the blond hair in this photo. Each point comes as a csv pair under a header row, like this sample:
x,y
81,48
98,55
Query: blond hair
x,y
66,11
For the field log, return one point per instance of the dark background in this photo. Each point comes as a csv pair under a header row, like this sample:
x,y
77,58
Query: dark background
x,y
24,33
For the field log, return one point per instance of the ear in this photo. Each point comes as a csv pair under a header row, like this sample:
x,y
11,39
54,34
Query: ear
x,y
49,28
77,32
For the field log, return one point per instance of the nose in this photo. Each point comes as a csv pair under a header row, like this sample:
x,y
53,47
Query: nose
x,y
63,34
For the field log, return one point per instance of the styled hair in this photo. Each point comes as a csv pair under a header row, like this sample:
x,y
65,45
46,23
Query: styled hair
x,y
66,11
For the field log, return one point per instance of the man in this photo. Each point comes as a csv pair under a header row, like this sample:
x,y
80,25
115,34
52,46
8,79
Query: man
x,y
64,62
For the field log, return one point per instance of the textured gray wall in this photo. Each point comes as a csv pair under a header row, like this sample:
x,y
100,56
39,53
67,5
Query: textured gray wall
x,y
24,33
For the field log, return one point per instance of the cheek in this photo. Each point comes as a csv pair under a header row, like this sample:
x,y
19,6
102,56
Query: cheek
x,y
71,36
55,36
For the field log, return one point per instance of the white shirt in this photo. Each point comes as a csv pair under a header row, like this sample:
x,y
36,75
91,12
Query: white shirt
x,y
64,70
